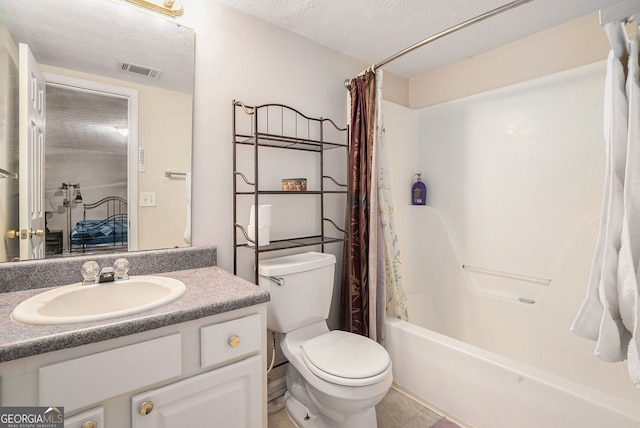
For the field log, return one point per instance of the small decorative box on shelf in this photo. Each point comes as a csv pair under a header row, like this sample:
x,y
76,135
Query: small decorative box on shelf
x,y
294,184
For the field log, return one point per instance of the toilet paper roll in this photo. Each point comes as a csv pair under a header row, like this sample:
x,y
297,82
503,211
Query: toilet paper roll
x,y
264,215
263,234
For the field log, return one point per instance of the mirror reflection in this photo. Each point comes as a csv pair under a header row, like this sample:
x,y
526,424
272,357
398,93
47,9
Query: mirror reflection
x,y
116,98
90,212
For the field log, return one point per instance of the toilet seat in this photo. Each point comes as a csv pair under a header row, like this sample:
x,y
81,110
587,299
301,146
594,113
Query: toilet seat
x,y
346,358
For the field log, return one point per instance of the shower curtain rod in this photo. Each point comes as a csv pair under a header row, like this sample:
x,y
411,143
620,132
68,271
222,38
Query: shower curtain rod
x,y
448,31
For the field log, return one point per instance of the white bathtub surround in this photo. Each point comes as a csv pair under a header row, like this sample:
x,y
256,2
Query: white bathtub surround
x,y
515,178
610,311
480,389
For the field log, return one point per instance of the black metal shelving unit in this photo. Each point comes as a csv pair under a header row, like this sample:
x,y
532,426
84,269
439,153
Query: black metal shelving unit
x,y
293,131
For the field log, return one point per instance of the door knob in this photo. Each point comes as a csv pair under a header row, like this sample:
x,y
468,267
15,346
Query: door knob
x,y
90,424
11,234
38,232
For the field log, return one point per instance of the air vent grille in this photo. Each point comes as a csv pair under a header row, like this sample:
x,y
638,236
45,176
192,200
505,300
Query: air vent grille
x,y
151,73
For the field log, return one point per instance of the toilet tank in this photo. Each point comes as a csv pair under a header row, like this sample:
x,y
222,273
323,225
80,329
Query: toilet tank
x,y
301,287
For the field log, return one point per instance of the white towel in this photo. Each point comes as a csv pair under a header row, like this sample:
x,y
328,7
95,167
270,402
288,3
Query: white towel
x,y
613,337
599,317
588,321
613,290
187,229
629,259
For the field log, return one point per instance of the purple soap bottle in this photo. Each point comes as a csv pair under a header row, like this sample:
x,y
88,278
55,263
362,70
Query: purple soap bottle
x,y
419,192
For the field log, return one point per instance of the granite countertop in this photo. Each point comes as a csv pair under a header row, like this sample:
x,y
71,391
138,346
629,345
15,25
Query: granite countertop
x,y
209,291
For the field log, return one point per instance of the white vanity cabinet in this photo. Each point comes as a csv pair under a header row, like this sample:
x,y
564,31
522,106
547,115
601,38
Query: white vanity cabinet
x,y
223,397
206,372
93,418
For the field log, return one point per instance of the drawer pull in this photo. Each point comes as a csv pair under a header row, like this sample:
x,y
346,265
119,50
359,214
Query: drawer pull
x,y
234,341
90,424
145,408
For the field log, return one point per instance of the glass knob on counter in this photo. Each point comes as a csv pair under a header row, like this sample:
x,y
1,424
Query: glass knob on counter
x,y
120,268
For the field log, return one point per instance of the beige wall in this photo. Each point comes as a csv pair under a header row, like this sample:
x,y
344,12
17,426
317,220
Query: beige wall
x,y
561,48
239,57
396,89
164,130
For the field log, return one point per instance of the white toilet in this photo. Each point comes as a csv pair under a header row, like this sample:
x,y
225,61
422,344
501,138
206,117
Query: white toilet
x,y
335,378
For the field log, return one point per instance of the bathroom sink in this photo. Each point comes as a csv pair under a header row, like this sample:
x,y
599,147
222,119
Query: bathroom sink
x,y
77,303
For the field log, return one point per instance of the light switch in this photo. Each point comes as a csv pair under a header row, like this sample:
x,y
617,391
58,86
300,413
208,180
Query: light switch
x,y
147,199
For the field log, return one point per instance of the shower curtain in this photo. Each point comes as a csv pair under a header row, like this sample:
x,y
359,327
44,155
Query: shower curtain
x,y
371,285
609,314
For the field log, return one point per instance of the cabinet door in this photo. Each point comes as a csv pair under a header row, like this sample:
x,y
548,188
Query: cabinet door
x,y
229,397
93,418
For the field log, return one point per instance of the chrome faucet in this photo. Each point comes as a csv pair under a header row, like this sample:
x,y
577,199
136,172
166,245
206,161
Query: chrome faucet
x,y
106,275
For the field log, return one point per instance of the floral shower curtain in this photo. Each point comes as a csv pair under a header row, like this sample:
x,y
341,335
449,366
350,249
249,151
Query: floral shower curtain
x,y
371,281
396,299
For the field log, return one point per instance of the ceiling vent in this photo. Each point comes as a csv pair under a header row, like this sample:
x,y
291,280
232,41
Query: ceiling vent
x,y
152,73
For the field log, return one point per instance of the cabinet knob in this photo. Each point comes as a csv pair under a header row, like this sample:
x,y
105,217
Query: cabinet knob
x,y
234,341
90,424
145,408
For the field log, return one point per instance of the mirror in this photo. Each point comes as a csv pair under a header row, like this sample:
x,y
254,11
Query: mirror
x,y
114,44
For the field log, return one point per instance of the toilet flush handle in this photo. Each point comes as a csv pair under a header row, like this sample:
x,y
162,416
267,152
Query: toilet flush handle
x,y
277,280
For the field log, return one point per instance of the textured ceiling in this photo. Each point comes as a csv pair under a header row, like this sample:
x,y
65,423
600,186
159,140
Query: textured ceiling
x,y
373,30
72,35
92,36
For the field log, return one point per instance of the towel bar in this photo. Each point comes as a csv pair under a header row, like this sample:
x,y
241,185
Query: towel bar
x,y
171,174
526,278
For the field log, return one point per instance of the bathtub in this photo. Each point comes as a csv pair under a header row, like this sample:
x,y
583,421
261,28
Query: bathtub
x,y
495,266
481,389
485,359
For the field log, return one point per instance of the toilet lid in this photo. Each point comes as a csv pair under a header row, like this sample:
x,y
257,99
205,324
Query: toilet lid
x,y
345,355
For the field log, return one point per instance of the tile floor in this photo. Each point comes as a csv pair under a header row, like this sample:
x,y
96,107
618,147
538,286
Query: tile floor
x,y
395,411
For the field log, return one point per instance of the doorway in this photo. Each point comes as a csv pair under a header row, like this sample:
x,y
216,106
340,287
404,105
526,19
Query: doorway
x,y
90,135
